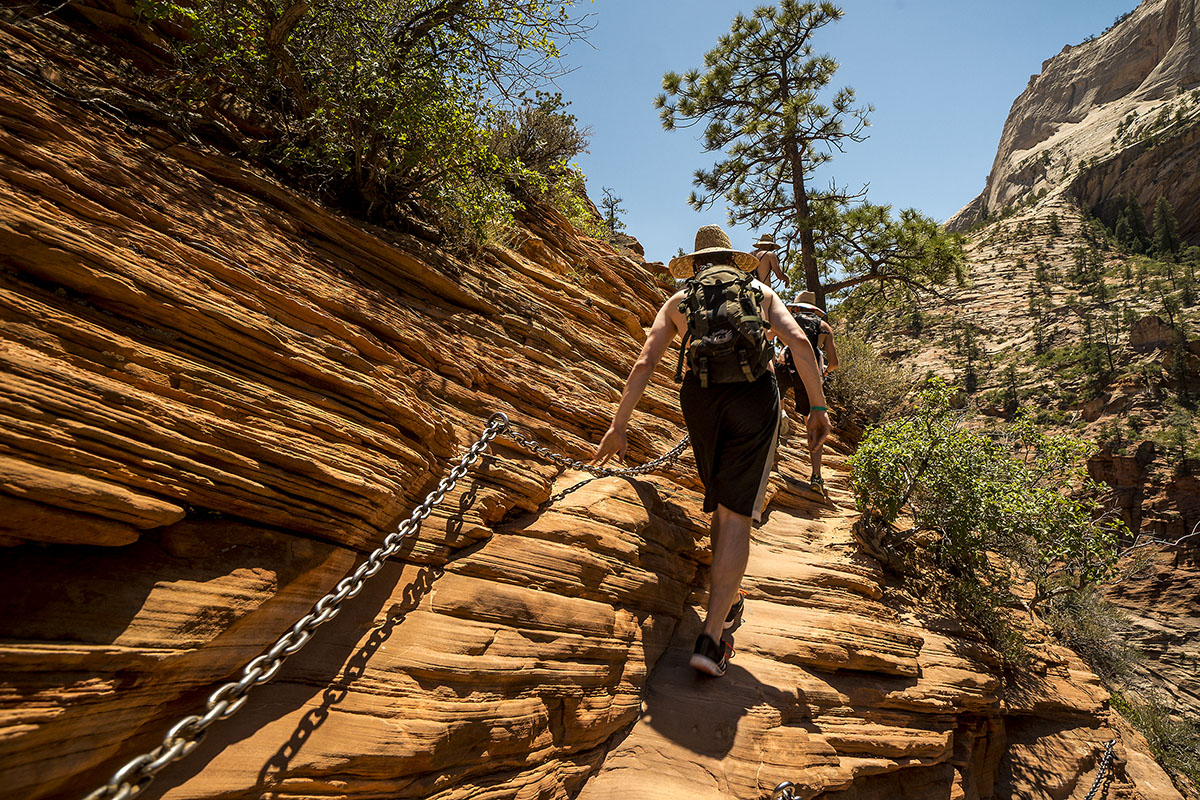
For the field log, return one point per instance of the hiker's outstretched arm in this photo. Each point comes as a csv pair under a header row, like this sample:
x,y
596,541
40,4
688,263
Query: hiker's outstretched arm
x,y
831,356
659,339
779,270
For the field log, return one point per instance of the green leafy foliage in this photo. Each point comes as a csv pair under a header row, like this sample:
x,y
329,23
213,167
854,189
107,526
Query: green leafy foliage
x,y
1017,500
541,137
381,107
866,385
1178,438
1174,740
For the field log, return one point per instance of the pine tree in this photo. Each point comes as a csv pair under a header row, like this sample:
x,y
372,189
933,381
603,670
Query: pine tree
x,y
1124,233
1079,273
758,98
1137,225
971,351
611,211
1179,370
1178,437
1166,230
1011,396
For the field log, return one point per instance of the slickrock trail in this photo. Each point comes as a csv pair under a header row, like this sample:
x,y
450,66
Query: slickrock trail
x,y
216,396
849,696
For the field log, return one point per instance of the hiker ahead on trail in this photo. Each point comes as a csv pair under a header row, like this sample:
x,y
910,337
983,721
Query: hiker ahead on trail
x,y
730,402
768,262
811,320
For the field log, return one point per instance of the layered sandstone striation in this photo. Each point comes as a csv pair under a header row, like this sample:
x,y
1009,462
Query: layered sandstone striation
x,y
216,396
1115,115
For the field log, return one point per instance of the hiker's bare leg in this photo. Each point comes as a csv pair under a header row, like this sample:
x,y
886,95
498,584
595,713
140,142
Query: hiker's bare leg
x,y
731,551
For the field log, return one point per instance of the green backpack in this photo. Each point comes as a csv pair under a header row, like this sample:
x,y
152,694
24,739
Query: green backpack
x,y
726,340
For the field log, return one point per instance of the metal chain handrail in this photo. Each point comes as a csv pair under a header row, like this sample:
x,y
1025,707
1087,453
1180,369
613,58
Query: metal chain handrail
x,y
186,734
1104,773
600,472
1104,776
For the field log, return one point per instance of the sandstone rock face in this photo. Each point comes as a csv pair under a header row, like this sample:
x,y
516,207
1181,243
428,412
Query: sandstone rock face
x,y
1071,128
216,396
1150,333
1160,599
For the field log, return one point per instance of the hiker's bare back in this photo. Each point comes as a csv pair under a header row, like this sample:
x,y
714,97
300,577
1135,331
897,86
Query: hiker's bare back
x,y
768,264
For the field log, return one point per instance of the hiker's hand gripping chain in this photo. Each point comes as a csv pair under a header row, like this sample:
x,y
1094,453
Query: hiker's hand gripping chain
x,y
665,459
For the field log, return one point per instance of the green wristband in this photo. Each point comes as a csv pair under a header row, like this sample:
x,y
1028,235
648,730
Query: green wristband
x,y
819,408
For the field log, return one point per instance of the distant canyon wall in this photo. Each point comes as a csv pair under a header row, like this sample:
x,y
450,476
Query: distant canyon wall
x,y
1071,130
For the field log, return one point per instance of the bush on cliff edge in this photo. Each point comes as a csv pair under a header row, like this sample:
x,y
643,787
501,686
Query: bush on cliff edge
x,y
1010,519
383,108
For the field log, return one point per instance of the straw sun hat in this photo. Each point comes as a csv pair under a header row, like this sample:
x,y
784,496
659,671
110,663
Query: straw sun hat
x,y
709,239
765,242
806,301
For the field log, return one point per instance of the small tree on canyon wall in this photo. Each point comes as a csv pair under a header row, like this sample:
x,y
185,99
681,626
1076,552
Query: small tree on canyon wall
x,y
758,99
611,211
376,105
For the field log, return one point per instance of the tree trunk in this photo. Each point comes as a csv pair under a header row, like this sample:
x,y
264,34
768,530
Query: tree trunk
x,y
808,246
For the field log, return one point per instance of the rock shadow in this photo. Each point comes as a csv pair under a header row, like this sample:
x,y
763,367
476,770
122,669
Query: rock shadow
x,y
702,713
318,665
336,690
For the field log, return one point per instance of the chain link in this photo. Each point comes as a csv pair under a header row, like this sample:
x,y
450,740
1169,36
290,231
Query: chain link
x,y
1104,773
784,791
186,734
665,459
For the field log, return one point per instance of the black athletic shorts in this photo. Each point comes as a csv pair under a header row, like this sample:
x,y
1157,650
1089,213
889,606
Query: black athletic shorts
x,y
734,427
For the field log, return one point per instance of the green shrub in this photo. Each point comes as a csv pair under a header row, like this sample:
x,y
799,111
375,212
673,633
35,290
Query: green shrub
x,y
1093,628
865,385
1174,740
542,137
1022,495
382,108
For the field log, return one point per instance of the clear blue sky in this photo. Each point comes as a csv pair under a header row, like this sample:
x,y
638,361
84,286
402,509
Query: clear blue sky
x,y
941,74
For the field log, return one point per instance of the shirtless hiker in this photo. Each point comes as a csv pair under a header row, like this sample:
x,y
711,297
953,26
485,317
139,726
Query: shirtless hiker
x,y
811,319
733,426
768,262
